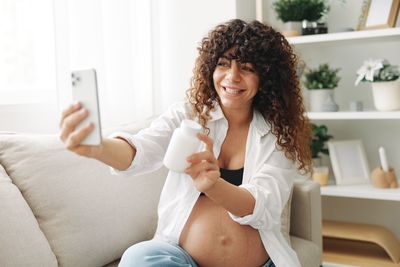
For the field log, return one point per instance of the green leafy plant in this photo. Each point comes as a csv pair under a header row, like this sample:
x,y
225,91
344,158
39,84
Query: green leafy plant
x,y
323,77
319,138
299,10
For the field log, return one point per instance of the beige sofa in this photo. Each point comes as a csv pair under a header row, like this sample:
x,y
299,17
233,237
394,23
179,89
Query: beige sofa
x,y
60,209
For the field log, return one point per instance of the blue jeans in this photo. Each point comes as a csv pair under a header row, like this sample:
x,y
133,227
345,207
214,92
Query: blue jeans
x,y
155,253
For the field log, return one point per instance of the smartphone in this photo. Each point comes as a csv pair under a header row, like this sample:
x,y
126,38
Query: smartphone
x,y
84,90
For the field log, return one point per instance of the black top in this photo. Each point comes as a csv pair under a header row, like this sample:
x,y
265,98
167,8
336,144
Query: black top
x,y
232,176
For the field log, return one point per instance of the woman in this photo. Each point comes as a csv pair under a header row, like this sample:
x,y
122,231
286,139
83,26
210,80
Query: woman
x,y
225,209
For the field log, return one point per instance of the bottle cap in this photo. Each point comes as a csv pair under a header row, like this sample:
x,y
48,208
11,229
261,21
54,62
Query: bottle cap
x,y
190,127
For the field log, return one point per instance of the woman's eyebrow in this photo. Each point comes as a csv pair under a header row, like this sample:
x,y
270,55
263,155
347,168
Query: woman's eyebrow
x,y
230,56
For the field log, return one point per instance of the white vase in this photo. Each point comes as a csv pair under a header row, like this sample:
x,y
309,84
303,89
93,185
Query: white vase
x,y
386,95
322,100
292,28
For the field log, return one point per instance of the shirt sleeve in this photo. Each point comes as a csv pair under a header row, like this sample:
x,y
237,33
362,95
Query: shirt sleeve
x,y
151,143
270,187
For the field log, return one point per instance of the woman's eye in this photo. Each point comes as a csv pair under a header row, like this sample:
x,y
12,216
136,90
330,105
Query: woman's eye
x,y
223,64
247,68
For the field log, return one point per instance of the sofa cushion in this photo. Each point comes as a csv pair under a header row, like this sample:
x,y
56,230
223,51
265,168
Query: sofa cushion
x,y
88,215
22,243
306,211
309,253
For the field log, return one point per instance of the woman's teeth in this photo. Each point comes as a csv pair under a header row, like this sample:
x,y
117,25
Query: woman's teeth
x,y
232,91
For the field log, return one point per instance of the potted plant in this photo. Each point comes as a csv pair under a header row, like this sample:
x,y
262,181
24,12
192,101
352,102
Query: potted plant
x,y
385,82
319,138
293,12
321,83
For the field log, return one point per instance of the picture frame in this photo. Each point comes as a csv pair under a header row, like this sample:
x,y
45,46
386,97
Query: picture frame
x,y
349,162
377,14
363,14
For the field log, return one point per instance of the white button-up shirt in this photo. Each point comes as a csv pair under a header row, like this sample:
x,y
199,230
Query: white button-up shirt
x,y
268,176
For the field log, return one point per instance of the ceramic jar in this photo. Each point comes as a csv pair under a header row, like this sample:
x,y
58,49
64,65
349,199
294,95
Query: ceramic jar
x,y
386,95
322,100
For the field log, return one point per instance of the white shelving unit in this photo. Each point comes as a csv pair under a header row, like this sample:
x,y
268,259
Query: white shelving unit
x,y
365,191
370,125
350,115
344,36
363,203
354,191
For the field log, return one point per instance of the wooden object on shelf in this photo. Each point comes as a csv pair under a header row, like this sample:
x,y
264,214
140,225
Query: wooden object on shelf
x,y
382,179
366,233
355,253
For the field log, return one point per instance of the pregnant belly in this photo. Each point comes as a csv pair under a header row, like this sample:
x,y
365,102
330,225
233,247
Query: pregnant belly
x,y
212,238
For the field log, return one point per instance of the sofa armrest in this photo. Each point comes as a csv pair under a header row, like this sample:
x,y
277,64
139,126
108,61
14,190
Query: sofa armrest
x,y
306,211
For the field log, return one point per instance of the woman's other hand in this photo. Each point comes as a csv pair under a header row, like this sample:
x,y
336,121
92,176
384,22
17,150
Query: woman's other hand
x,y
70,136
204,167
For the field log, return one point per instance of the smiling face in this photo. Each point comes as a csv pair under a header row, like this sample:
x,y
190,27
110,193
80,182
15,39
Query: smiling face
x,y
236,82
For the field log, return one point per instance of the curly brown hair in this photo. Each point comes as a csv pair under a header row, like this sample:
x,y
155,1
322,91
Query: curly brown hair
x,y
279,97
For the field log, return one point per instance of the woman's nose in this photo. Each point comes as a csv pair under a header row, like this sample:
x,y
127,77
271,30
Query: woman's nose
x,y
233,73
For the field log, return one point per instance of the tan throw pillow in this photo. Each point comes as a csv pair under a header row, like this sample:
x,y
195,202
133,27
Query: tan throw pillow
x,y
22,243
285,218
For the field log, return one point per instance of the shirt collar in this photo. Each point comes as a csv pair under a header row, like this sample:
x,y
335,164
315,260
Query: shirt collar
x,y
216,113
258,121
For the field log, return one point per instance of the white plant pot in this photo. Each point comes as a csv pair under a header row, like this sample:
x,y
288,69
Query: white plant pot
x,y
292,28
386,95
322,100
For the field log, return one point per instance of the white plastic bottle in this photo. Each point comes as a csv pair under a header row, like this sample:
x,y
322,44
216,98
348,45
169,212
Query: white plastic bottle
x,y
184,143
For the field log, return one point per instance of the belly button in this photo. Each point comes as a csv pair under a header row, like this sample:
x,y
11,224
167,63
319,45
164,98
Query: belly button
x,y
224,240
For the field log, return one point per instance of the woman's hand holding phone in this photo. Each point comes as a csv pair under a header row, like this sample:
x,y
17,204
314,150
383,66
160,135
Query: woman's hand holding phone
x,y
81,131
114,152
72,137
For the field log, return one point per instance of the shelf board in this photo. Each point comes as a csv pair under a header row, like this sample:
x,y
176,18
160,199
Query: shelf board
x,y
366,191
353,115
342,36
